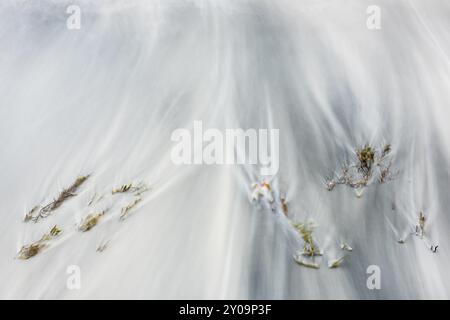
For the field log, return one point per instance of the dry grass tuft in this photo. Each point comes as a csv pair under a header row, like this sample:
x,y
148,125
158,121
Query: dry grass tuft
x,y
306,257
366,157
123,189
33,249
56,203
29,251
54,232
305,230
138,189
90,221
126,210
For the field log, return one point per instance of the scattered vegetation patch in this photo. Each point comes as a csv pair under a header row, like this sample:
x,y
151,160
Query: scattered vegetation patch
x,y
28,251
369,162
86,224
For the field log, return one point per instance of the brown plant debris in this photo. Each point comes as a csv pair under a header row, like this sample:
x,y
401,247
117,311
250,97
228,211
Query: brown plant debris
x,y
54,232
385,174
284,206
58,201
126,210
366,157
138,189
90,221
28,251
124,188
386,150
369,162
103,246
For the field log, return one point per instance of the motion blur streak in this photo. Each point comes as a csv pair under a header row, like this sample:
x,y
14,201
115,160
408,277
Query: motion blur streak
x,y
105,99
